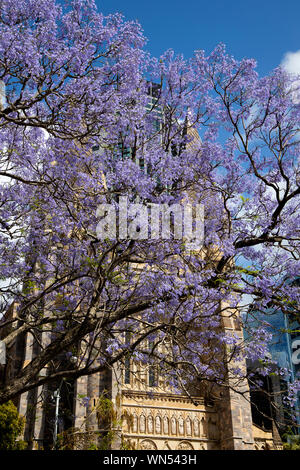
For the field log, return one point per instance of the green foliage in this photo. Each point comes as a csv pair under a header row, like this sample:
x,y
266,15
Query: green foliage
x,y
105,409
293,441
108,424
291,446
127,444
67,439
249,270
11,426
107,421
244,199
106,440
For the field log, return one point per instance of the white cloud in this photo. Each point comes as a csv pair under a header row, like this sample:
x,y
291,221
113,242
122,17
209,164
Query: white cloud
x,y
291,62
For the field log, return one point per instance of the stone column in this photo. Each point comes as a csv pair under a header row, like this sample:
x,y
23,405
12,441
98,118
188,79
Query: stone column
x,y
234,401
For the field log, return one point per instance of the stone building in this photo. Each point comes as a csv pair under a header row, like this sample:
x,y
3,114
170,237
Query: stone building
x,y
147,414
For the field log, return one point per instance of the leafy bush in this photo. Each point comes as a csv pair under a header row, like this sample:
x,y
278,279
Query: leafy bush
x,y
11,426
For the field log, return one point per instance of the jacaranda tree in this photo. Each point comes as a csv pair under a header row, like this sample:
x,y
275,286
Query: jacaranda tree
x,y
89,118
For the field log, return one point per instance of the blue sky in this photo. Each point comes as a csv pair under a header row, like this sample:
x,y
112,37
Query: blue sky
x,y
265,30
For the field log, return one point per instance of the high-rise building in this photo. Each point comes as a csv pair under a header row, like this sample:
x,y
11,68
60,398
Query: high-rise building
x,y
284,351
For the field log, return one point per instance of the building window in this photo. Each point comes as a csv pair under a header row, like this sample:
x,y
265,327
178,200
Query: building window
x,y
127,372
152,376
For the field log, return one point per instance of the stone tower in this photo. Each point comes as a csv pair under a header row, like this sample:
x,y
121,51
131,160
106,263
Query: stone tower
x,y
147,414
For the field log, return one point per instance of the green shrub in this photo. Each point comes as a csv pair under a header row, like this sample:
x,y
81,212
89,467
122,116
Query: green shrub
x,y
11,426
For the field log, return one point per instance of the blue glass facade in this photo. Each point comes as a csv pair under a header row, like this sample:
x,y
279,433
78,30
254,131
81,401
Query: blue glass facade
x,y
284,347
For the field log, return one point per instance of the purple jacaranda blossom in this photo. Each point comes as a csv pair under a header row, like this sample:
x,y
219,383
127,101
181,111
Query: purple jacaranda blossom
x,y
89,117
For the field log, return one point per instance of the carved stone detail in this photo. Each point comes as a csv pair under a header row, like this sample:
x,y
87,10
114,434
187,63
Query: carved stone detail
x,y
158,425
135,423
196,427
150,424
147,444
185,445
142,423
188,426
203,427
181,426
166,425
173,425
167,446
